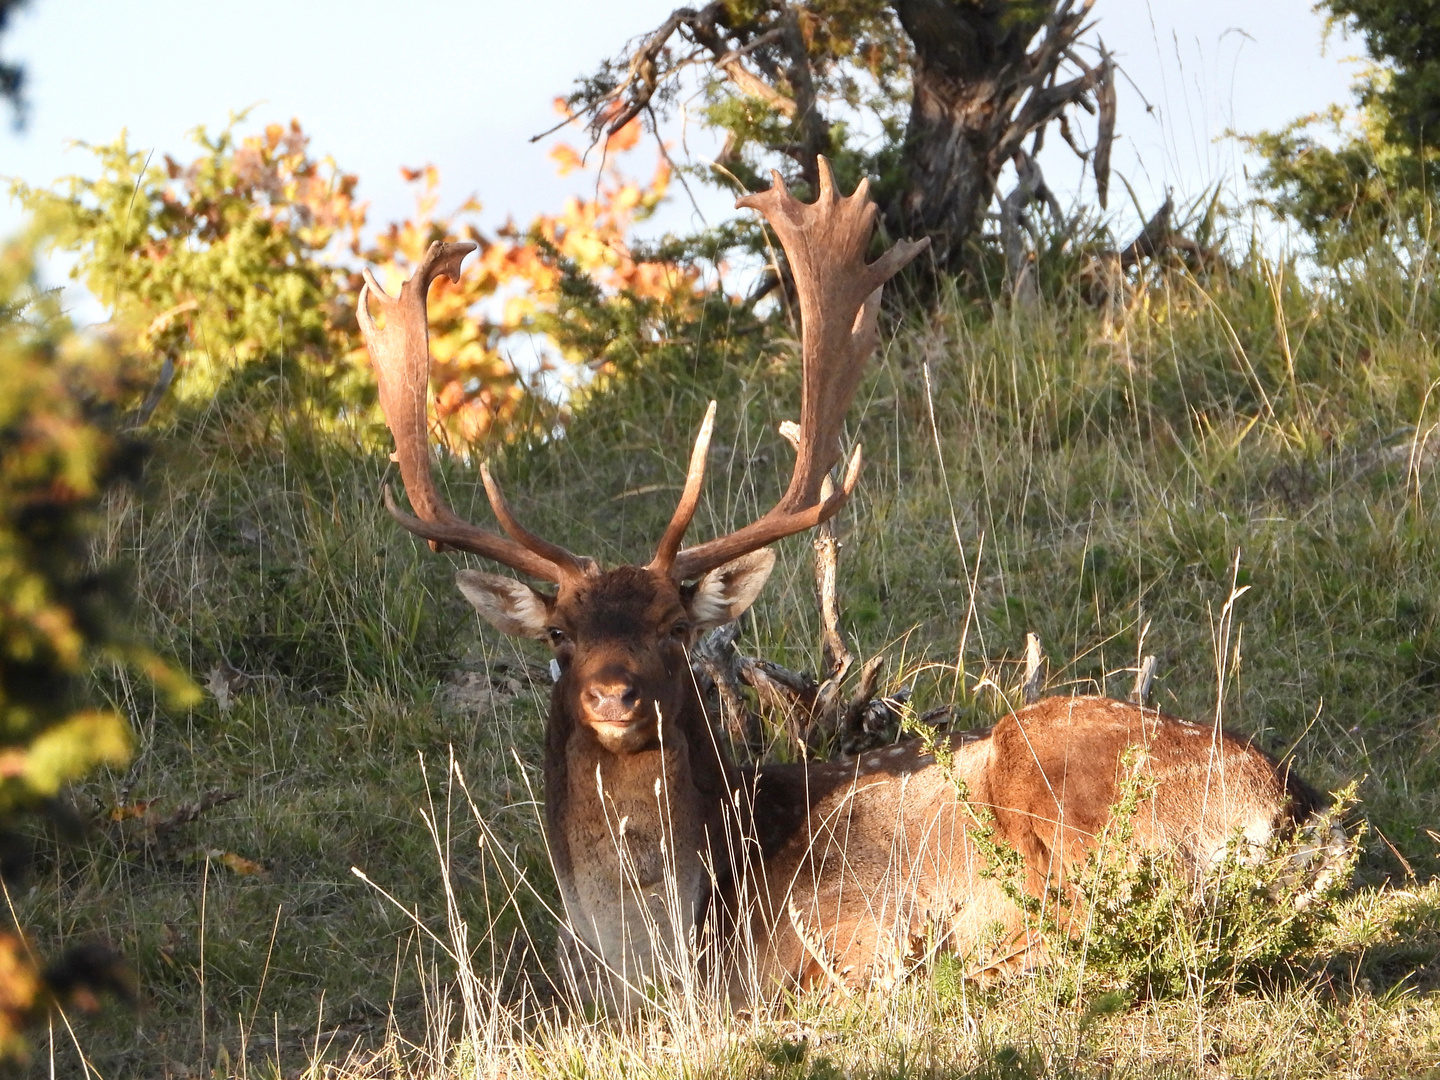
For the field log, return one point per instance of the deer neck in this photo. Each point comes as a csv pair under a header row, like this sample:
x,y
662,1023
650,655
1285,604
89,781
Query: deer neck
x,y
634,837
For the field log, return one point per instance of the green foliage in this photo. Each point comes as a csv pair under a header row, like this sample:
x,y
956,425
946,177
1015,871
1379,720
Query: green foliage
x,y
1352,191
59,614
629,336
1366,180
238,272
1126,925
855,59
1138,927
1403,35
220,265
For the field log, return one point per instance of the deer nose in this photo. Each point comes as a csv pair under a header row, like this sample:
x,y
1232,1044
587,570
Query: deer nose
x,y
612,702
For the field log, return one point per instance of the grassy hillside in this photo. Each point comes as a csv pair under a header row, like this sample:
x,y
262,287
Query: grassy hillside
x,y
1104,478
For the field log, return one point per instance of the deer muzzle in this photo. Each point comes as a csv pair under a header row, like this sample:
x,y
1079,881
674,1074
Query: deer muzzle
x,y
612,702
622,718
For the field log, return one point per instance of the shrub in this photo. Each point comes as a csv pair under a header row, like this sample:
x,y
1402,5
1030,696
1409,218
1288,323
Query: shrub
x,y
58,613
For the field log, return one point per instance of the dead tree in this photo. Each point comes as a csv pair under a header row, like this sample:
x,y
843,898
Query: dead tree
x,y
1157,241
983,78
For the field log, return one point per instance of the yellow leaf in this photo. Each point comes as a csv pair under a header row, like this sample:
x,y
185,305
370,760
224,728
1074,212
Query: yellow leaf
x,y
241,865
566,159
73,747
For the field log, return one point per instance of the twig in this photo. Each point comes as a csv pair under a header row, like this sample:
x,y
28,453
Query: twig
x,y
718,661
852,724
790,693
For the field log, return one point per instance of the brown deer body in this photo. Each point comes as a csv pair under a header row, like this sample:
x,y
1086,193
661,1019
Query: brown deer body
x,y
836,873
879,864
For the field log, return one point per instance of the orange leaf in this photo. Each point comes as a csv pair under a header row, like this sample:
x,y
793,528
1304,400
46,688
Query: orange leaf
x,y
566,159
625,138
126,811
241,865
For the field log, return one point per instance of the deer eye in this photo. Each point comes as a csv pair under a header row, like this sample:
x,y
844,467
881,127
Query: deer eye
x,y
556,636
680,629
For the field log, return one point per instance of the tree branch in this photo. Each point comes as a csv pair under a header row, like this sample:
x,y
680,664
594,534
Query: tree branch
x,y
1105,135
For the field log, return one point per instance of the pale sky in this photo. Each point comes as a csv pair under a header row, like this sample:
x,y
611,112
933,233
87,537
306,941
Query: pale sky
x,y
465,84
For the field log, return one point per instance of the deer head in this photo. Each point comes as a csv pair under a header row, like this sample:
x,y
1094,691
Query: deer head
x,y
621,636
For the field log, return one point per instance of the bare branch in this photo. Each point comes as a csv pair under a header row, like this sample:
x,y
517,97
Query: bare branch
x,y
750,83
853,726
717,659
1153,236
1043,99
642,79
1030,187
1105,136
1042,106
834,655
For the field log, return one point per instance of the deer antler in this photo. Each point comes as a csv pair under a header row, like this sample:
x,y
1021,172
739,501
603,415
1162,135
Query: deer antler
x,y
839,292
400,351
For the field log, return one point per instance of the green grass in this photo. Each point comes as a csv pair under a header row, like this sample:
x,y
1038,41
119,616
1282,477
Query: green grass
x,y
1087,477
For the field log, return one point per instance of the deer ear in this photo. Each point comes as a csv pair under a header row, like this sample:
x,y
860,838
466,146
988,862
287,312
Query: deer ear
x,y
511,606
725,592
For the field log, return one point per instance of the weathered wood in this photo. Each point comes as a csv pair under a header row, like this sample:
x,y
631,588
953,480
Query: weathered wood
x,y
1144,681
1034,683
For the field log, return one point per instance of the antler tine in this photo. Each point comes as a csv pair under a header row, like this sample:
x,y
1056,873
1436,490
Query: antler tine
x,y
689,498
400,351
523,536
839,293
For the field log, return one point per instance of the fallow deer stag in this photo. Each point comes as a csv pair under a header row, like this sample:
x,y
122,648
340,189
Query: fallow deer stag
x,y
797,874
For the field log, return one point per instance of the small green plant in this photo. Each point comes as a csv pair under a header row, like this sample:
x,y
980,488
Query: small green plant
x,y
1000,861
1142,927
1132,923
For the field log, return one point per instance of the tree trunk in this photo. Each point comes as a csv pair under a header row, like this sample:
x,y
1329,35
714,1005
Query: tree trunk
x,y
949,177
967,53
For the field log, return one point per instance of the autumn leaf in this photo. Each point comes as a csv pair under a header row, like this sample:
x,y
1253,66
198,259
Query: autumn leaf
x,y
130,811
625,138
237,863
566,159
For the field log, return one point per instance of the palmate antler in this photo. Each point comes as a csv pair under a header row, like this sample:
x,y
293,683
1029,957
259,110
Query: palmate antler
x,y
839,293
400,351
825,242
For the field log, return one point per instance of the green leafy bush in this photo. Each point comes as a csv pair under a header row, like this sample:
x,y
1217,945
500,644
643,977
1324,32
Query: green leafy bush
x,y
1135,924
1365,180
220,265
1140,927
58,613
